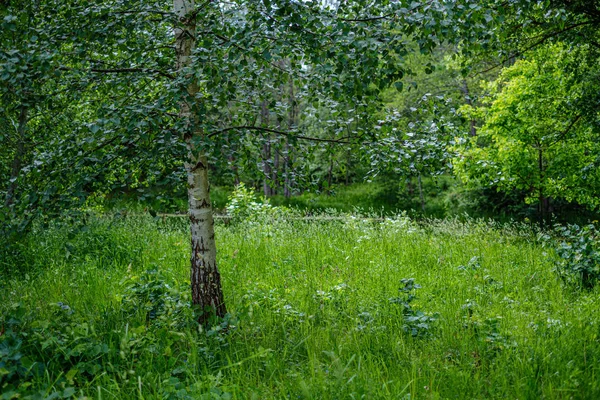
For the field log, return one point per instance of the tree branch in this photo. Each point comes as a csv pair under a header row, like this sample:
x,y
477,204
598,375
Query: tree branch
x,y
564,133
539,42
131,70
342,140
368,19
386,16
123,71
126,12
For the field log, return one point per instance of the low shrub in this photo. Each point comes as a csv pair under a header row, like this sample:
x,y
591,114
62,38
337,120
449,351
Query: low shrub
x,y
578,251
416,322
244,205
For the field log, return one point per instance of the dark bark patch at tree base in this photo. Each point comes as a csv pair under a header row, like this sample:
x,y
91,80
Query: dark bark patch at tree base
x,y
206,286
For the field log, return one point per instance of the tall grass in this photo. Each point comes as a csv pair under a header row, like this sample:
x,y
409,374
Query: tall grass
x,y
311,315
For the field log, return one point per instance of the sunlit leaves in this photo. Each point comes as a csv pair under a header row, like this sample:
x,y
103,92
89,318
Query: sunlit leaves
x,y
535,137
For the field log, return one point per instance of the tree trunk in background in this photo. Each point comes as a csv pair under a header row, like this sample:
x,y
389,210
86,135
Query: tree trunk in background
x,y
349,155
231,160
266,152
18,159
348,166
275,172
421,193
542,199
287,155
205,278
266,168
330,172
410,187
473,123
287,183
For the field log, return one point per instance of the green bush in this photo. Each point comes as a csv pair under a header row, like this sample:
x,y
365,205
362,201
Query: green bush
x,y
578,250
243,205
366,196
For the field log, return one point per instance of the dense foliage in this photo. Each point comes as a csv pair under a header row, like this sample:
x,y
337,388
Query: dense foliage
x,y
578,250
534,136
90,95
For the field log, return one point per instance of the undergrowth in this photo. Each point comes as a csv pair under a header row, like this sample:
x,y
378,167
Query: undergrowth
x,y
342,308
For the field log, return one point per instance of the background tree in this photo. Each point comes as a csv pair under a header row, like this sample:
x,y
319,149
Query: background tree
x,y
534,137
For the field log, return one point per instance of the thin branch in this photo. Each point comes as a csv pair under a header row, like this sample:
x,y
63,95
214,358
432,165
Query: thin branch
x,y
126,12
368,19
130,70
539,42
246,51
342,140
123,71
567,129
386,16
95,149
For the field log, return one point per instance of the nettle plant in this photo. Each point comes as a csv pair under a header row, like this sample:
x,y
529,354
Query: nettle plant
x,y
416,322
163,303
578,250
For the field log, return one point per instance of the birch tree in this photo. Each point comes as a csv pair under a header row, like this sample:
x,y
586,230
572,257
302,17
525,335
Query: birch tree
x,y
205,277
333,53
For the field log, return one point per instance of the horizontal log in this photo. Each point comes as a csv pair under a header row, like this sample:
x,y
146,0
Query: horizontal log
x,y
307,218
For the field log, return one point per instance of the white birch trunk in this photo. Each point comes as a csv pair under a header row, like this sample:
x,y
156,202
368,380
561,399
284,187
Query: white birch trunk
x,y
205,277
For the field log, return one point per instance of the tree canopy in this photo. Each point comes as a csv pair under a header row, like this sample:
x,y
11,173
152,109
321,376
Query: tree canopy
x,y
535,137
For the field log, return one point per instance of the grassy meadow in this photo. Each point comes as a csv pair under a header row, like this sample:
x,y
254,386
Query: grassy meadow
x,y
335,309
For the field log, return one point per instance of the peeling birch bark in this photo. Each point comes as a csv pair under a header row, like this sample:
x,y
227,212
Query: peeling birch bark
x,y
205,277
